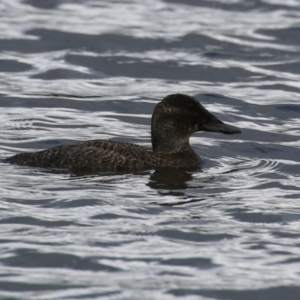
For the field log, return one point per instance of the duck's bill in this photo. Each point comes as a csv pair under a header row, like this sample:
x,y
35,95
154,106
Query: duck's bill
x,y
219,126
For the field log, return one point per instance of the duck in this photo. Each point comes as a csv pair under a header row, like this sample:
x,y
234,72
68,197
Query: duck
x,y
173,121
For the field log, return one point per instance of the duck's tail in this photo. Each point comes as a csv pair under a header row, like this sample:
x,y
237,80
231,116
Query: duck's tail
x,y
18,159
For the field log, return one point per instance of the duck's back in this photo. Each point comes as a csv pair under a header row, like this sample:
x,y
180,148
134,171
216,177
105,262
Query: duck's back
x,y
93,154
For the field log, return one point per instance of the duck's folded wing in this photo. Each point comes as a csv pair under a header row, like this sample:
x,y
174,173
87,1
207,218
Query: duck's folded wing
x,y
97,154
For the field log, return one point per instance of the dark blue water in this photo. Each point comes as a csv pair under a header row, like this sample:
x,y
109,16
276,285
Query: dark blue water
x,y
78,70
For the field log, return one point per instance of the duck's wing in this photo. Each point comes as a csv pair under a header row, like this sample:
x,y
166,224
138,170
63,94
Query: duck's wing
x,y
95,154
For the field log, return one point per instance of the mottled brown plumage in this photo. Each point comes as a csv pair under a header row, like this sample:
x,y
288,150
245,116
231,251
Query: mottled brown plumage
x,y
174,120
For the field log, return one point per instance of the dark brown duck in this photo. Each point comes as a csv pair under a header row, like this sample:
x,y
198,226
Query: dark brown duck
x,y
173,121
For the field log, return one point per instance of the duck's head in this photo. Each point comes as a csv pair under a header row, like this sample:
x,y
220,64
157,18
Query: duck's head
x,y
177,117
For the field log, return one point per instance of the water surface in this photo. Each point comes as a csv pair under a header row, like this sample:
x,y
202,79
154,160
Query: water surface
x,y
77,70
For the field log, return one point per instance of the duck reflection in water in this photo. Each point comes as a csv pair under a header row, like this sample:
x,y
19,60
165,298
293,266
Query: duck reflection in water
x,y
174,183
170,179
174,120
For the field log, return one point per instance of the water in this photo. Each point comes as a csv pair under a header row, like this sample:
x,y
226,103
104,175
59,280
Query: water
x,y
77,70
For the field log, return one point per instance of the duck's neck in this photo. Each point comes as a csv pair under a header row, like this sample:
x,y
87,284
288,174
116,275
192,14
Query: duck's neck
x,y
170,143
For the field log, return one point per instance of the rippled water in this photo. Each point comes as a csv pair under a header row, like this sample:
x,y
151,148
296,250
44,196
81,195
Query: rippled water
x,y
77,70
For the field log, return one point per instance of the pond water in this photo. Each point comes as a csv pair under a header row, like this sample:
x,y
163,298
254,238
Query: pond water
x,y
78,70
